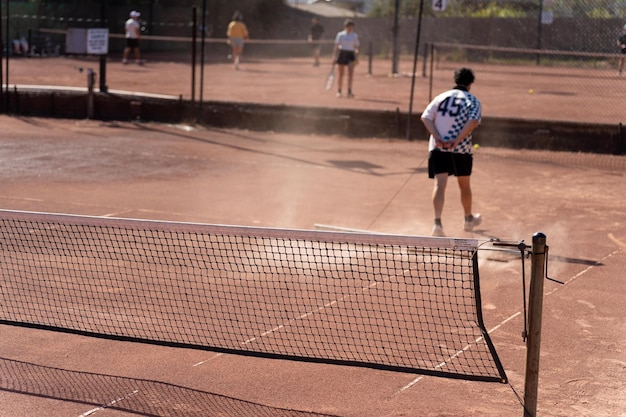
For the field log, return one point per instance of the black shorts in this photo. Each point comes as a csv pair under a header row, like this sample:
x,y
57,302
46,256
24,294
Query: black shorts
x,y
346,58
132,43
457,164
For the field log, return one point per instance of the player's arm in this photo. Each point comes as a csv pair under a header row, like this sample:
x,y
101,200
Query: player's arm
x,y
432,129
467,130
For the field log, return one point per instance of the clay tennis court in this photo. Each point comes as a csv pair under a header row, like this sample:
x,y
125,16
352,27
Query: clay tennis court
x,y
591,95
195,174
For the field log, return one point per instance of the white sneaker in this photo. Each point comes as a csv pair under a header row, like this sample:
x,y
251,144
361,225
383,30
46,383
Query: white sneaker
x,y
438,231
469,225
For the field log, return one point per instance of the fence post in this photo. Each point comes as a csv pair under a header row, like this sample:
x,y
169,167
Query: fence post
x,y
91,81
1,66
432,71
370,57
535,310
427,48
103,58
194,40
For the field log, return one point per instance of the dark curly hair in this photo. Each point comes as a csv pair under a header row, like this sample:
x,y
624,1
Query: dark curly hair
x,y
463,76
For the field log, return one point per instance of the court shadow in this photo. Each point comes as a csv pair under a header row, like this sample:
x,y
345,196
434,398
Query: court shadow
x,y
357,165
369,100
139,396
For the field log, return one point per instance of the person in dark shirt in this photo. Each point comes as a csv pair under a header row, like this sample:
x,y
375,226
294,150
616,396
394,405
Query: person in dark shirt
x,y
315,34
621,43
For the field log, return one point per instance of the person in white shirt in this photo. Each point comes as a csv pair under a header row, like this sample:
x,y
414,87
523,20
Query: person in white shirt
x,y
450,119
133,33
346,55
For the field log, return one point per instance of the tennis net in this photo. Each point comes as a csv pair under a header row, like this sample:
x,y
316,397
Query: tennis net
x,y
401,303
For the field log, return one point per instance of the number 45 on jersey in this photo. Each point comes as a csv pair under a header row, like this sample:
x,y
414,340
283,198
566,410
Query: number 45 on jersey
x,y
439,5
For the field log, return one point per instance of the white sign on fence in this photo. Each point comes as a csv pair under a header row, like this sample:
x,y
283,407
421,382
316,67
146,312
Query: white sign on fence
x,y
439,5
97,41
83,41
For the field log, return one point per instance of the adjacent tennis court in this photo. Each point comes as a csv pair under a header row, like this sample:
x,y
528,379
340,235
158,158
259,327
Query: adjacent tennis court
x,y
179,173
508,90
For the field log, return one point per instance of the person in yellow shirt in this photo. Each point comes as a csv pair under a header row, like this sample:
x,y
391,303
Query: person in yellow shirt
x,y
237,34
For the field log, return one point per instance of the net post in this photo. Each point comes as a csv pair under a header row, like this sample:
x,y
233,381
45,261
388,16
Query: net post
x,y
535,308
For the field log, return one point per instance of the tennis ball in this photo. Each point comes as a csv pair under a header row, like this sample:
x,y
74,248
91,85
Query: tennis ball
x,y
476,146
530,91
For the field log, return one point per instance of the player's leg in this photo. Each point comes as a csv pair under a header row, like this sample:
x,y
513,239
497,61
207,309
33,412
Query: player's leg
x,y
235,53
439,193
439,197
237,46
466,194
127,50
463,164
137,55
350,78
471,220
342,70
440,166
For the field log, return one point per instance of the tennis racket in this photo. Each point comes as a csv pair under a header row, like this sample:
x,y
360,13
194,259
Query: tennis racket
x,y
330,79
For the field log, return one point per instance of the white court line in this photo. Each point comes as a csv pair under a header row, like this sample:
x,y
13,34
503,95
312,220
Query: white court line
x,y
282,326
617,241
444,363
85,90
578,275
205,361
584,271
116,213
95,410
305,315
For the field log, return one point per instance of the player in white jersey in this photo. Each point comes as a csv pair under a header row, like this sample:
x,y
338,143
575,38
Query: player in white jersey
x,y
133,34
450,119
346,54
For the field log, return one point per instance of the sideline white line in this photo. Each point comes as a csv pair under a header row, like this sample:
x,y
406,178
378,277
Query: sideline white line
x,y
37,87
617,241
95,410
444,363
339,228
305,315
576,276
207,360
589,268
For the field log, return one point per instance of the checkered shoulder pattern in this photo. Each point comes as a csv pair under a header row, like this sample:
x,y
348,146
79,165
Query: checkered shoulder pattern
x,y
451,111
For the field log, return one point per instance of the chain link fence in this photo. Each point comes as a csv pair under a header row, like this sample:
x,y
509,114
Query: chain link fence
x,y
567,50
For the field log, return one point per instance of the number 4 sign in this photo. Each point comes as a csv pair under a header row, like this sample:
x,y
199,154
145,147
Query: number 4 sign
x,y
439,5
